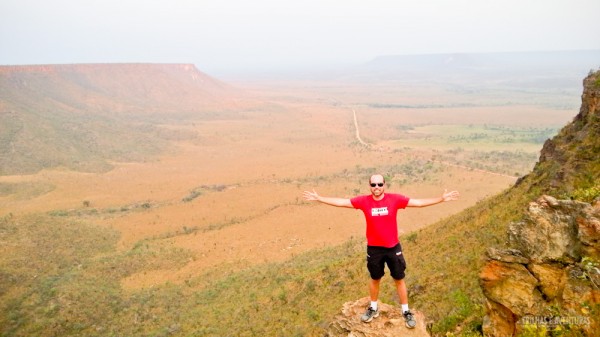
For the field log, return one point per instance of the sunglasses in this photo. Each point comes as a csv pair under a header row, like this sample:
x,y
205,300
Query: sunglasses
x,y
378,184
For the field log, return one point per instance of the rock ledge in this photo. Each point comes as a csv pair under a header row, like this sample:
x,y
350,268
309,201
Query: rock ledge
x,y
389,323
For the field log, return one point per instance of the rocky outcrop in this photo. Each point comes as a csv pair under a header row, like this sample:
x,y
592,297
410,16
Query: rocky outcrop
x,y
389,323
550,276
573,153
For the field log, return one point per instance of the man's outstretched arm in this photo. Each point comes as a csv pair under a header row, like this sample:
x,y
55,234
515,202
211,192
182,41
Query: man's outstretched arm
x,y
447,196
338,202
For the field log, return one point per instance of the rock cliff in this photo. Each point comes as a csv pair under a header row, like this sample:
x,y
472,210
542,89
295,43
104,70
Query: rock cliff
x,y
549,278
570,159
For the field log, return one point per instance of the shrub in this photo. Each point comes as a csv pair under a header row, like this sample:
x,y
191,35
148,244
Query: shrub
x,y
586,194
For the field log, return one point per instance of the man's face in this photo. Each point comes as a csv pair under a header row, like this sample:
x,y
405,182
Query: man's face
x,y
377,185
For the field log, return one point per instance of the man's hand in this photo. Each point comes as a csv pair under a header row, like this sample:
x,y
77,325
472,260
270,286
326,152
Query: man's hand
x,y
311,196
449,196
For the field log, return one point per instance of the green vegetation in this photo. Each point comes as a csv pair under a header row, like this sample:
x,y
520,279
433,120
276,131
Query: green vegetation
x,y
25,190
589,267
405,172
61,277
33,140
497,134
515,163
198,191
64,280
596,81
88,211
586,194
496,148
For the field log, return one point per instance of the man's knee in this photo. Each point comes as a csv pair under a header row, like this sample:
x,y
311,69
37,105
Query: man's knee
x,y
399,281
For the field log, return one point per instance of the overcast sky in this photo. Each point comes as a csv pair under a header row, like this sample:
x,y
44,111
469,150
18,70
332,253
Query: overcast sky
x,y
222,36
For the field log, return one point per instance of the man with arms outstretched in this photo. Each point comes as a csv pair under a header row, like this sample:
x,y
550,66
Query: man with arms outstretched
x,y
383,246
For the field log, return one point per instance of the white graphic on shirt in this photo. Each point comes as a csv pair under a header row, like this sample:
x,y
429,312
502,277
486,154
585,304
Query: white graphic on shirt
x,y
379,211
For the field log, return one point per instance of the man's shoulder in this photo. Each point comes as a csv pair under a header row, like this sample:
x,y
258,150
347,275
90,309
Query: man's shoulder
x,y
399,199
397,195
359,199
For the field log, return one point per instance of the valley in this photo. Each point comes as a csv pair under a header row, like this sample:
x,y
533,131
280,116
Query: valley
x,y
192,205
263,160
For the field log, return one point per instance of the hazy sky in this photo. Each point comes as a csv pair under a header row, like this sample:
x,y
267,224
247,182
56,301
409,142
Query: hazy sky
x,y
221,36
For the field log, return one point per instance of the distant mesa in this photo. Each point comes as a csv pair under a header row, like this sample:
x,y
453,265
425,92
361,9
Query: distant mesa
x,y
546,65
85,116
122,88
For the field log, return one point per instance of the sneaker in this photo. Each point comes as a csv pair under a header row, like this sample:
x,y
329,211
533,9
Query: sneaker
x,y
369,315
409,319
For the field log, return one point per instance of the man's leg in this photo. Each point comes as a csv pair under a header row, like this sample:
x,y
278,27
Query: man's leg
x,y
375,265
397,266
372,310
403,295
374,289
402,292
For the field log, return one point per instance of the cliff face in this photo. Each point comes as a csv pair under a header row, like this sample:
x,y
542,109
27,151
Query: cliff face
x,y
549,277
571,158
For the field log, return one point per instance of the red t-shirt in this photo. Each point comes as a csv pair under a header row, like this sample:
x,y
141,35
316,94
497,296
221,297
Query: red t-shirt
x,y
382,227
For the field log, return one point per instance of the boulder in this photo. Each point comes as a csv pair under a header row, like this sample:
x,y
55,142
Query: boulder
x,y
500,321
549,231
511,285
552,279
389,323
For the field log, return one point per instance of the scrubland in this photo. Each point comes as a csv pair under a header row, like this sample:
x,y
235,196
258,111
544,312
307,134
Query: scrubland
x,y
212,238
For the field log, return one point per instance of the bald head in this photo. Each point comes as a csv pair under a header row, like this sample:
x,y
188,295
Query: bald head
x,y
376,178
377,183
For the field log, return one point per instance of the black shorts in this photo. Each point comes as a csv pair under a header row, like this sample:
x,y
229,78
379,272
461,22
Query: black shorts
x,y
377,257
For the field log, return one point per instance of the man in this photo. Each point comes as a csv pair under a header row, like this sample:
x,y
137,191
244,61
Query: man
x,y
383,246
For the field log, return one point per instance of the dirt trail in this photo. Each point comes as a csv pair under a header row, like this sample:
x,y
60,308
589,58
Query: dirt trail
x,y
358,131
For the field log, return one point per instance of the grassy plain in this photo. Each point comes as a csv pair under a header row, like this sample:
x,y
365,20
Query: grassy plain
x,y
213,238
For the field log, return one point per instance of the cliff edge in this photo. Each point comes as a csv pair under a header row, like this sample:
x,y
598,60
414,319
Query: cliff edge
x,y
570,159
